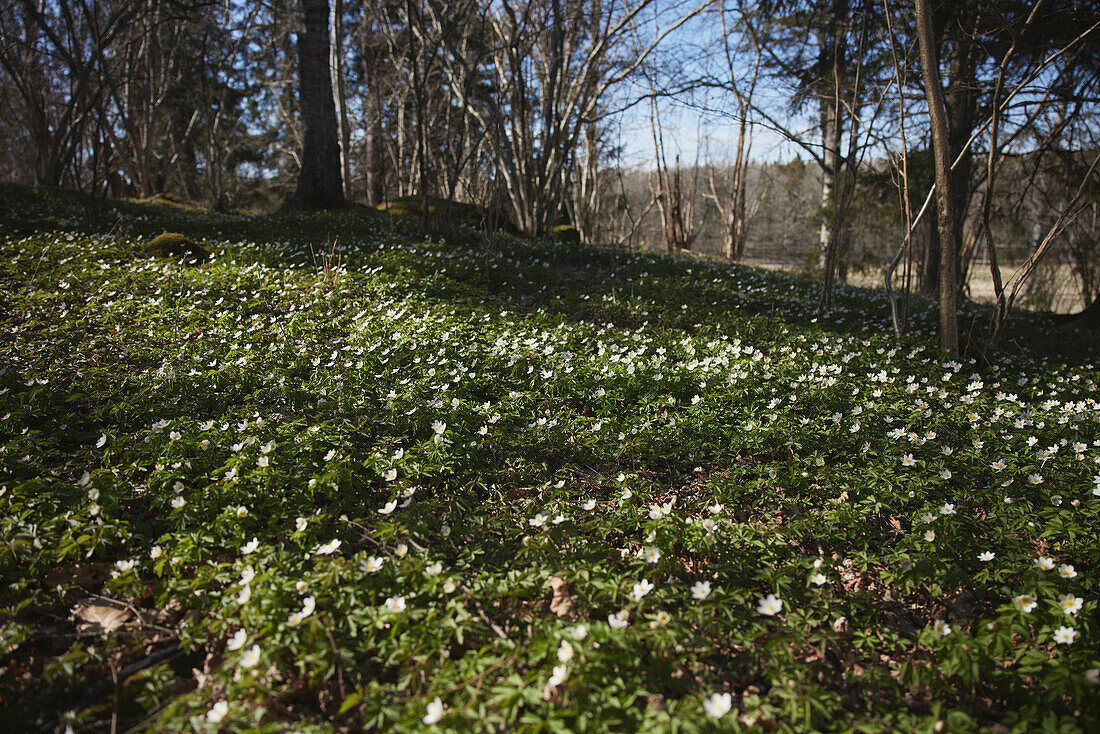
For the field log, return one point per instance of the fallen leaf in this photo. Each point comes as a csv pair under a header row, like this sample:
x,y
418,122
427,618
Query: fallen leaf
x,y
561,604
101,614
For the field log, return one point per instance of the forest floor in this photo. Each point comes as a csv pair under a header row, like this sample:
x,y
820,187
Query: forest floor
x,y
342,477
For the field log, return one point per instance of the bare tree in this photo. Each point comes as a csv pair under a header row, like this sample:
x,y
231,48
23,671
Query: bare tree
x,y
731,203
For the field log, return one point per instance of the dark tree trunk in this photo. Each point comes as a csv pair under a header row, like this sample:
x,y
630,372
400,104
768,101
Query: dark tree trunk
x,y
320,185
960,102
948,215
376,172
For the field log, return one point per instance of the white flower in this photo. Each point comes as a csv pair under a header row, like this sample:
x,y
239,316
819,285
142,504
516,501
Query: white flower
x,y
618,620
395,604
579,632
101,442
700,590
434,570
449,586
327,549
124,566
1066,571
1064,635
589,505
217,712
434,712
559,676
250,657
538,520
1070,604
641,588
390,475
565,652
244,595
390,507
439,427
718,705
1045,563
714,509
373,564
308,605
943,629
947,509
908,460
650,553
661,620
178,502
626,494
818,579
1025,603
155,552
300,524
247,574
769,605
242,511
929,535
236,642
986,556
250,547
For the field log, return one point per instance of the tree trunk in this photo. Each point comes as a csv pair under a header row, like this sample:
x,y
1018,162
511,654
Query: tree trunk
x,y
375,152
960,102
945,198
336,45
320,185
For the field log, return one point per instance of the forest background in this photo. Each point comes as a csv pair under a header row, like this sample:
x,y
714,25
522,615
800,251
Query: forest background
x,y
950,147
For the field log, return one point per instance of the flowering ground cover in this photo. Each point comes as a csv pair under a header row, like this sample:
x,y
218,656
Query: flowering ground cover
x,y
520,486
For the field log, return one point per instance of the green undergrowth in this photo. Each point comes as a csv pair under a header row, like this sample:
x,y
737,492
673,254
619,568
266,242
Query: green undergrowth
x,y
343,478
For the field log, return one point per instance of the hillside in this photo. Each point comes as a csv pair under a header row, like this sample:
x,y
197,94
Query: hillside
x,y
513,485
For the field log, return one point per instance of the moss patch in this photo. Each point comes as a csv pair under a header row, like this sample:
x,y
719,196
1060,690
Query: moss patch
x,y
176,245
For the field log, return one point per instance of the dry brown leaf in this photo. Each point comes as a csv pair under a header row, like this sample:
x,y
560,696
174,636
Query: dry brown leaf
x,y
561,603
103,615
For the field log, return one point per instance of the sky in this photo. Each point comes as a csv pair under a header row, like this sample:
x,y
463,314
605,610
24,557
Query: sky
x,y
695,127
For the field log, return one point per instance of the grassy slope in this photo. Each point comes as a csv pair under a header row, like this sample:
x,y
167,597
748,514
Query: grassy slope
x,y
564,375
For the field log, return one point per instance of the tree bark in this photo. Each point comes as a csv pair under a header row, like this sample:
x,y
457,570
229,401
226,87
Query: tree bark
x,y
336,45
945,199
320,185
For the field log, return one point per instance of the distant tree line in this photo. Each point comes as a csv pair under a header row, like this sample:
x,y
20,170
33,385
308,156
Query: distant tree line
x,y
941,136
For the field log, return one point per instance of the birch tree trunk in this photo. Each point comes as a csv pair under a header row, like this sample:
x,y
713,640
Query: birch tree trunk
x,y
336,64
